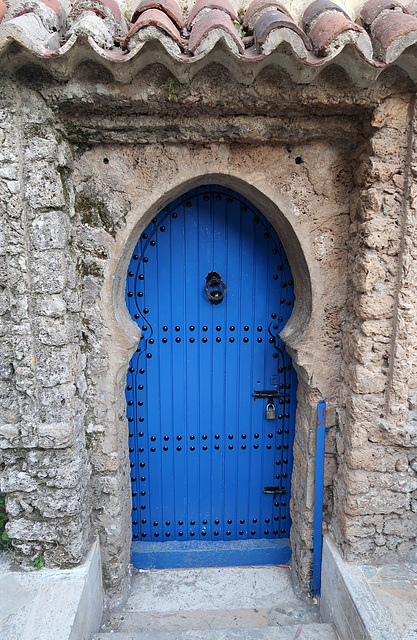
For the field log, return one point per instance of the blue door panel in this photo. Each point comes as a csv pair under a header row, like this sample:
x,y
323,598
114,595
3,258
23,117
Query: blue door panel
x,y
201,449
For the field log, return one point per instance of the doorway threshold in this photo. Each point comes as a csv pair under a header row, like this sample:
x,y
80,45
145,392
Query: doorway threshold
x,y
201,553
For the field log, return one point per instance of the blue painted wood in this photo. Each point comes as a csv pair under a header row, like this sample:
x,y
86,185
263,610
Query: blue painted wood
x,y
201,449
318,497
198,553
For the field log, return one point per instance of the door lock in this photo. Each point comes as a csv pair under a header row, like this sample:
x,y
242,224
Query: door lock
x,y
271,413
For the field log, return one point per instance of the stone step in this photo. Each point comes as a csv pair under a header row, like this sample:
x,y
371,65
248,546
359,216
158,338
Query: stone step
x,y
315,631
214,618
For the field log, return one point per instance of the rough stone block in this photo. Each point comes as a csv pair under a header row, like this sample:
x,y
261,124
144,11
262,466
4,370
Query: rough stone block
x,y
48,271
374,306
50,230
365,379
43,188
59,365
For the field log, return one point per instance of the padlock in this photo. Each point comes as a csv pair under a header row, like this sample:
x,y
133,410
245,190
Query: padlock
x,y
271,413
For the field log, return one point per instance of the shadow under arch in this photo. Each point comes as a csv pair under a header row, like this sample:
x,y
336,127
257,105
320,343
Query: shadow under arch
x,y
274,208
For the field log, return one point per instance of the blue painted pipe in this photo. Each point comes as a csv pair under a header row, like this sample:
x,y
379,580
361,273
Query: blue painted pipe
x,y
318,497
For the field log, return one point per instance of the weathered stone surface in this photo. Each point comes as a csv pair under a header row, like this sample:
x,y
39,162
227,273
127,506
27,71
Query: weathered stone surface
x,y
326,163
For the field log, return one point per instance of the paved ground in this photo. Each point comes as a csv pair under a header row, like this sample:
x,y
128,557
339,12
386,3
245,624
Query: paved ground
x,y
395,588
213,598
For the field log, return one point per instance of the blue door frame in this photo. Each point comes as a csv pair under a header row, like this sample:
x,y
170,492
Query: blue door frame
x,y
211,288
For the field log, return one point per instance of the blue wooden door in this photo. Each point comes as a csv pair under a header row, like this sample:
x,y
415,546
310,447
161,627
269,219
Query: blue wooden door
x,y
207,466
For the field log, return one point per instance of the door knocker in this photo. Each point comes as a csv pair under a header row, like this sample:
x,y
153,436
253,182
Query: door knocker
x,y
215,289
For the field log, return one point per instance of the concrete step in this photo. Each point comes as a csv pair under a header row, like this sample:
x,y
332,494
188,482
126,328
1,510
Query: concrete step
x,y
176,620
213,603
315,631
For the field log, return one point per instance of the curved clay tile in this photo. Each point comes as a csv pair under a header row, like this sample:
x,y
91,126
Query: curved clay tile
x,y
258,8
28,31
212,27
154,18
3,10
50,12
392,33
277,20
103,5
89,24
52,4
207,5
315,9
333,31
170,7
373,8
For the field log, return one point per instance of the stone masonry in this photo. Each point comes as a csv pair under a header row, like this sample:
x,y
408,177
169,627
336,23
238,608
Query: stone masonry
x,y
86,160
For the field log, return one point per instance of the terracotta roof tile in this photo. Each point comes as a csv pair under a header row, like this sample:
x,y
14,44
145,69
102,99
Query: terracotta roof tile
x,y
201,5
52,4
92,5
373,8
215,20
50,12
41,26
277,20
325,31
170,7
315,9
154,18
3,10
392,33
258,7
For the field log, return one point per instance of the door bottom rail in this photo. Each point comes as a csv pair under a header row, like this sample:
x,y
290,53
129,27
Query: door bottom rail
x,y
201,553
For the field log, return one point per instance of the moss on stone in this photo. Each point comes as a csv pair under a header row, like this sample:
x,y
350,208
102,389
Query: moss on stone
x,y
93,212
35,130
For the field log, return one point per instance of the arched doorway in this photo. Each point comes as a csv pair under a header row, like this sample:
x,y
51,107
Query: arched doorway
x,y
211,391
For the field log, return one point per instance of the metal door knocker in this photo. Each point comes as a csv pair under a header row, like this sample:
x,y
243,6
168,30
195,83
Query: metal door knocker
x,y
215,289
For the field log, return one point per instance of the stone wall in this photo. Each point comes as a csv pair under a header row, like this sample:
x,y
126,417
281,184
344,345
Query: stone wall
x,y
376,481
44,467
84,166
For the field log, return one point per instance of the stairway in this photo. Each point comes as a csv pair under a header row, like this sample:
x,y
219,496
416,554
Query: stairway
x,y
236,603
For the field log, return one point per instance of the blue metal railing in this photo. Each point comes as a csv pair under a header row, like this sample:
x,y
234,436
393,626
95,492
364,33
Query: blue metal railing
x,y
318,497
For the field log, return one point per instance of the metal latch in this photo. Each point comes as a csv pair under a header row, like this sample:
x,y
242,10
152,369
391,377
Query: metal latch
x,y
275,490
269,393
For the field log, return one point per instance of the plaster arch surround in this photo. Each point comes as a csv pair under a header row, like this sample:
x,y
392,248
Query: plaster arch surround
x,y
303,333
285,219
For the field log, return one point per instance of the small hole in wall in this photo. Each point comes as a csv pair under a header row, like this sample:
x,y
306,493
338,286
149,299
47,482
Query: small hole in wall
x,y
298,160
106,160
